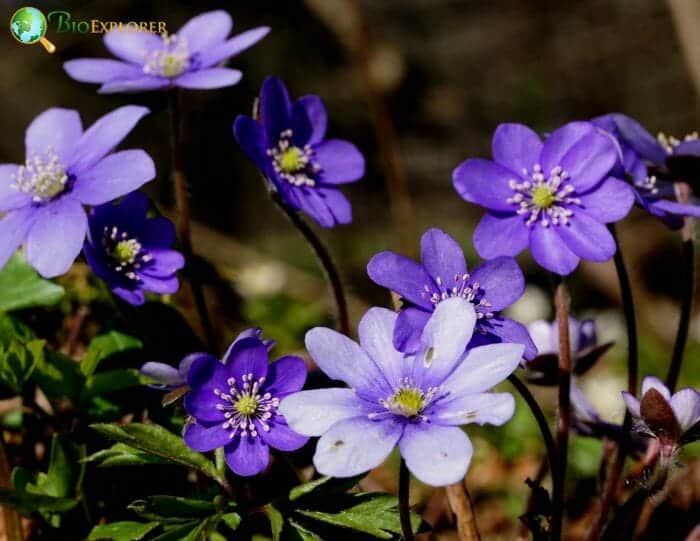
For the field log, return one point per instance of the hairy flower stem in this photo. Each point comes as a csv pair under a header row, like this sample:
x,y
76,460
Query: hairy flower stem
x,y
543,425
561,305
183,215
404,507
461,504
13,525
613,479
323,257
687,294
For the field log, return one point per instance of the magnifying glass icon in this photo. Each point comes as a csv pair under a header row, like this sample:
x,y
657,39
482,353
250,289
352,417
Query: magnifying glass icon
x,y
28,26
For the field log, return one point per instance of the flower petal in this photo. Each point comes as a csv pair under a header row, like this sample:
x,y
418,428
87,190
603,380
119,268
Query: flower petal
x,y
342,359
376,331
162,373
280,436
337,204
354,446
286,375
114,176
132,46
402,275
340,162
206,30
56,129
502,329
436,455
318,117
312,413
590,160
561,140
160,285
502,281
642,142
550,251
13,230
516,147
652,382
157,232
275,108
164,264
587,238
482,368
632,404
233,46
485,183
247,356
105,134
100,70
501,234
206,438
251,138
134,84
56,237
610,201
480,408
442,256
679,209
10,197
686,406
409,328
542,333
247,456
208,78
312,203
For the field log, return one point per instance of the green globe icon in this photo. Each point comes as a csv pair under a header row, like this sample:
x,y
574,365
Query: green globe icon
x,y
28,26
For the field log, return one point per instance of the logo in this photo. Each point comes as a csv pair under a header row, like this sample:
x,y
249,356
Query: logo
x,y
28,26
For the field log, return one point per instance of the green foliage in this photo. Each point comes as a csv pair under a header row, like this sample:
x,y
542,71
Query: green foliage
x,y
122,531
104,346
21,287
171,508
121,454
159,442
27,503
17,362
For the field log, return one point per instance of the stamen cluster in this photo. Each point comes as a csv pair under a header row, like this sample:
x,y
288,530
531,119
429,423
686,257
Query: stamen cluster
x,y
44,177
171,60
127,253
244,405
292,163
462,288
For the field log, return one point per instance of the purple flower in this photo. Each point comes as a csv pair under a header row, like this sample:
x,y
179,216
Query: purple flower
x,y
491,287
673,420
417,402
288,145
235,405
641,153
65,169
167,377
554,197
130,252
188,59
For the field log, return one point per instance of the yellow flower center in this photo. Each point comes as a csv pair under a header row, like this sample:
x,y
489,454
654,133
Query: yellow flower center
x,y
292,160
543,196
246,405
126,250
408,401
173,65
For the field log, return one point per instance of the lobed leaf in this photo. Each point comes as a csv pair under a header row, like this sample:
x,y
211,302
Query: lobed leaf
x,y
21,287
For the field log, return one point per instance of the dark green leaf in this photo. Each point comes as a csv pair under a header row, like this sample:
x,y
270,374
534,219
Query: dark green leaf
x,y
121,454
276,521
157,441
323,486
171,508
122,531
17,362
104,346
65,470
198,533
58,376
111,381
175,532
27,503
21,477
299,533
21,287
232,520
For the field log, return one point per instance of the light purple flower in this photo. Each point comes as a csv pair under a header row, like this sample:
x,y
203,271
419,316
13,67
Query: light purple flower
x,y
644,160
554,197
65,169
288,144
188,59
234,404
673,420
417,402
491,287
167,377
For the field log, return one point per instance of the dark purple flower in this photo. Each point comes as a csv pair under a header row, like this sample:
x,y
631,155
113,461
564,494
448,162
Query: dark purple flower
x,y
673,420
491,287
416,402
167,377
65,169
188,59
554,197
640,153
130,252
288,145
234,404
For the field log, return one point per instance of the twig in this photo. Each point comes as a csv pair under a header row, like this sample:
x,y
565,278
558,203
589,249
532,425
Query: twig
x,y
323,257
561,305
462,507
183,216
404,507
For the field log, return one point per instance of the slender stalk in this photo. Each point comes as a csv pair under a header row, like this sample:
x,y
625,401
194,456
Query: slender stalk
x,y
542,423
613,479
183,215
463,508
561,305
687,292
323,257
13,524
404,508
